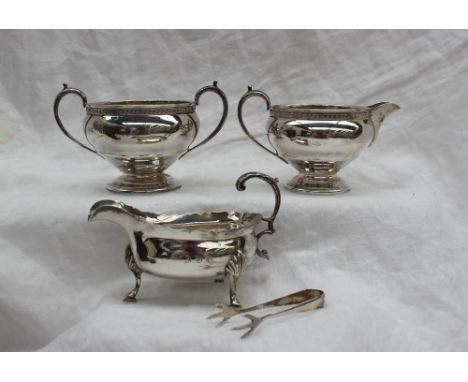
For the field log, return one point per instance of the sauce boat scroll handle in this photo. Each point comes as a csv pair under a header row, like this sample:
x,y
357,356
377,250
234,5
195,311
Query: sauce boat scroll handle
x,y
318,140
240,186
141,138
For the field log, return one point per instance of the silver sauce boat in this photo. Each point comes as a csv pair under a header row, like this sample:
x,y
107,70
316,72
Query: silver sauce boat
x,y
141,138
318,140
195,246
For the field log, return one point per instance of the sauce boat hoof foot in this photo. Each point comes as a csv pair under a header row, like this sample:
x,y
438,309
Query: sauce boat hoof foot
x,y
200,246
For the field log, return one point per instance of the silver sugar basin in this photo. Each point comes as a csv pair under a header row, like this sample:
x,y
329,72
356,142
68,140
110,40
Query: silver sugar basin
x,y
141,138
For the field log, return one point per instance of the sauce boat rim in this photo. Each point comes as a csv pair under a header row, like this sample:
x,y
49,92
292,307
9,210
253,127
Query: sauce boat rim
x,y
219,221
193,219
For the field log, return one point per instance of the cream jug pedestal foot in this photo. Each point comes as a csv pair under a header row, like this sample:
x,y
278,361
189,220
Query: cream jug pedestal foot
x,y
317,184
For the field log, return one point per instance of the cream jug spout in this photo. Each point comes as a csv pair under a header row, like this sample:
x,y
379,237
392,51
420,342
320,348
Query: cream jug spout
x,y
382,109
378,113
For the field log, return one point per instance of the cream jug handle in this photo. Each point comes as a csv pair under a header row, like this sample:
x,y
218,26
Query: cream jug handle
x,y
245,97
66,90
240,185
215,89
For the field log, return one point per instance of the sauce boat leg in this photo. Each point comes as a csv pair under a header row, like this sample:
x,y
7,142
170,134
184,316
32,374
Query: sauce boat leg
x,y
233,270
131,264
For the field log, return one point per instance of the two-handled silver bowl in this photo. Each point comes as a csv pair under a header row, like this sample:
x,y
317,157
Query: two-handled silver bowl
x,y
318,140
141,138
192,246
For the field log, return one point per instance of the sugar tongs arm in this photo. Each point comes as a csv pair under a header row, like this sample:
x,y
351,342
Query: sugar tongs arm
x,y
314,302
299,299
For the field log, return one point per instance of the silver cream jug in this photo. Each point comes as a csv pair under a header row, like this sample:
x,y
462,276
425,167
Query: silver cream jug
x,y
318,140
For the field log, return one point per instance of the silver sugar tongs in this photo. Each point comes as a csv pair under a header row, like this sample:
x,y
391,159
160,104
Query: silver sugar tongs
x,y
303,301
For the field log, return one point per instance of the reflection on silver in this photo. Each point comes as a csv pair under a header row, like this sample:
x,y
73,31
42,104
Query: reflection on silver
x,y
141,138
318,140
194,246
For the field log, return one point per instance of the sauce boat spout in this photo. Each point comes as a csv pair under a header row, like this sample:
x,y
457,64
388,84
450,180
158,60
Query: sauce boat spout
x,y
113,211
378,113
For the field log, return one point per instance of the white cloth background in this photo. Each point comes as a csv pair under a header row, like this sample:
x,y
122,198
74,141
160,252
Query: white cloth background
x,y
391,255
